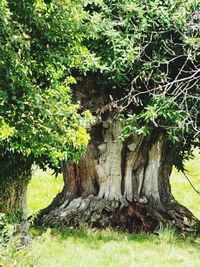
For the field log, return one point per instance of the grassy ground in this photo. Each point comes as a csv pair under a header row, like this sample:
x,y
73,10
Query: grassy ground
x,y
88,248
42,189
181,188
107,248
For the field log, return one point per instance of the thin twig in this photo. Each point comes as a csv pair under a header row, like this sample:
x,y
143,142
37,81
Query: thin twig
x,y
191,183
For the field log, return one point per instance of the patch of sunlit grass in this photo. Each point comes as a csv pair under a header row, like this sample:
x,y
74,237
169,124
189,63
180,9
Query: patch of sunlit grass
x,y
42,189
106,248
181,188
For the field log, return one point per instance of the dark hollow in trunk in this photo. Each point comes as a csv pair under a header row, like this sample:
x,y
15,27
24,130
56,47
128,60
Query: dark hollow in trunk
x,y
119,184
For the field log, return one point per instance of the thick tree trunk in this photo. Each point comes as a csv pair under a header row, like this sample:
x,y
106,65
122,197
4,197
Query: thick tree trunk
x,y
13,196
13,187
119,184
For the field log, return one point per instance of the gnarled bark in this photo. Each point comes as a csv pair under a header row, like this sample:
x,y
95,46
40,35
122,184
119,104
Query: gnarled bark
x,y
119,184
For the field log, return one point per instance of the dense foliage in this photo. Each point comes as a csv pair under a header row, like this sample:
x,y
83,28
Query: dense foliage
x,y
149,50
146,50
39,45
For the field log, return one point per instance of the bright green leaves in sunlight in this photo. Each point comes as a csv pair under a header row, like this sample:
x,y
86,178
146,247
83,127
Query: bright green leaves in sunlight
x,y
5,130
147,50
40,44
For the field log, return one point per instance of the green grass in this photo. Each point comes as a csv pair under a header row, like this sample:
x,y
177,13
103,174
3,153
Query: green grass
x,y
106,248
42,189
182,190
88,248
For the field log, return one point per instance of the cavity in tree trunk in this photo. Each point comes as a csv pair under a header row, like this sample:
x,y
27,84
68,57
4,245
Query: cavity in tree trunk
x,y
119,184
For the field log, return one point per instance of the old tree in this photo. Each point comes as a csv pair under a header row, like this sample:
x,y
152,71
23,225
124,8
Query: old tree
x,y
136,65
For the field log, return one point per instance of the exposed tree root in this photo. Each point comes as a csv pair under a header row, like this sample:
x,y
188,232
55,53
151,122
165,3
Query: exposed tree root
x,y
132,217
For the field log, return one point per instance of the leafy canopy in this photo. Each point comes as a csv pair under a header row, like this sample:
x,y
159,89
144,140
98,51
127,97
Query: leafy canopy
x,y
39,46
150,51
147,50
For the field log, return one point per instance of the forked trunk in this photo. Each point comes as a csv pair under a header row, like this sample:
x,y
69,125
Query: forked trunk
x,y
119,184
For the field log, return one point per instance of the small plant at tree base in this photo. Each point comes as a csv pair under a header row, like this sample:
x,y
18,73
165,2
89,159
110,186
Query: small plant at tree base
x,y
7,228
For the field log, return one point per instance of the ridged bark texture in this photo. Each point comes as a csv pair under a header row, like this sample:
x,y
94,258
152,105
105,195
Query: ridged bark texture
x,y
15,175
119,184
